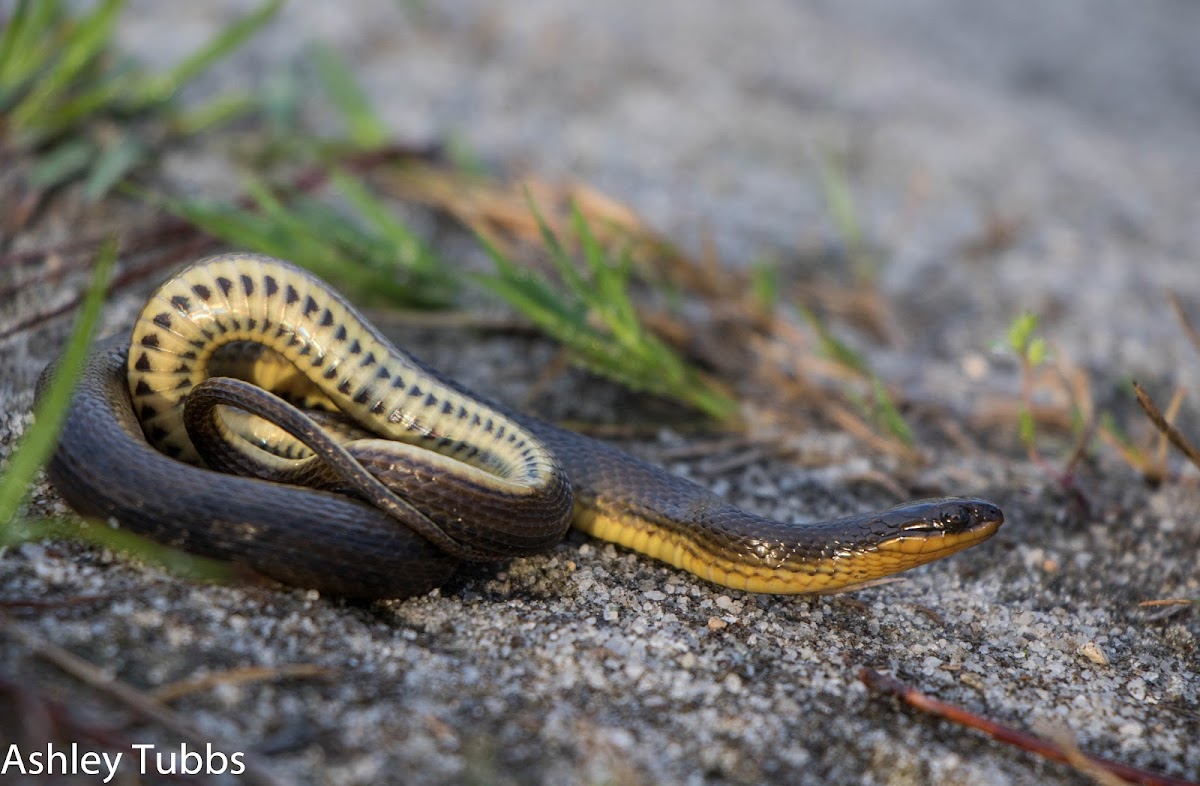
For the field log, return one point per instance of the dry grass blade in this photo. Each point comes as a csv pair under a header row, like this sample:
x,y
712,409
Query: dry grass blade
x,y
1164,427
248,674
1192,334
46,604
141,703
1152,469
1077,759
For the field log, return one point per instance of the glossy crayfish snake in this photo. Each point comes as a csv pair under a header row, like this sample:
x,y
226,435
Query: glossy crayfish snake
x,y
411,473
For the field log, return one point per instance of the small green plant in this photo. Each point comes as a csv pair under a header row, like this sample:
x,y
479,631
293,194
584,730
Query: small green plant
x,y
80,109
1031,352
353,238
39,440
361,245
879,407
594,317
839,201
364,128
764,285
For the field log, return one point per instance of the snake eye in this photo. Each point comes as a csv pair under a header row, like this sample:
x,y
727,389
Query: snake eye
x,y
957,518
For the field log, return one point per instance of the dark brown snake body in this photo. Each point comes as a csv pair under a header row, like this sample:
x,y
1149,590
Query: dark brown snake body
x,y
443,466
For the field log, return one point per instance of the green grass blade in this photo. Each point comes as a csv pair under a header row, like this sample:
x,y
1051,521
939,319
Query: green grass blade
x,y
611,282
317,236
219,111
365,128
832,346
39,440
558,254
882,409
175,562
61,164
111,166
410,251
594,318
839,201
28,42
163,87
1020,332
237,227
82,47
764,285
13,28
74,110
888,416
530,294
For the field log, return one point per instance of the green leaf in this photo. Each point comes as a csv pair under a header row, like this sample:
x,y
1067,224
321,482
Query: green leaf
x,y
1037,351
383,261
1021,331
764,285
282,99
594,317
176,562
888,415
157,89
86,41
111,166
364,126
63,163
409,251
833,347
39,440
839,201
28,42
219,111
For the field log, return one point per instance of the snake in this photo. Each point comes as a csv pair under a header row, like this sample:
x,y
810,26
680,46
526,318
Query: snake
x,y
213,427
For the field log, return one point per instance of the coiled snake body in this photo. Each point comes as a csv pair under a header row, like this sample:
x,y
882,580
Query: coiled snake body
x,y
431,474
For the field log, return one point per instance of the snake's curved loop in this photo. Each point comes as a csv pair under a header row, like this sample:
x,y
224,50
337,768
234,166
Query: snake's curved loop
x,y
490,456
486,469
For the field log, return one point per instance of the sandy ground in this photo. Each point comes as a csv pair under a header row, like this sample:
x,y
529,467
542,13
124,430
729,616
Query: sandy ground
x,y
593,665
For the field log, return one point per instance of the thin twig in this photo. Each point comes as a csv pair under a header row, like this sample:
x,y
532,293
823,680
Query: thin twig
x,y
1007,734
136,700
43,718
1170,432
1188,327
42,604
176,690
1171,602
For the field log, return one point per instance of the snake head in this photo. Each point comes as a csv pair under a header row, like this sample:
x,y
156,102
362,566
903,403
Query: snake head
x,y
930,529
952,516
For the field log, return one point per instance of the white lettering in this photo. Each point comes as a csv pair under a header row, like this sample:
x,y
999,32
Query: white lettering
x,y
112,764
53,755
190,762
89,763
143,748
59,762
14,759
